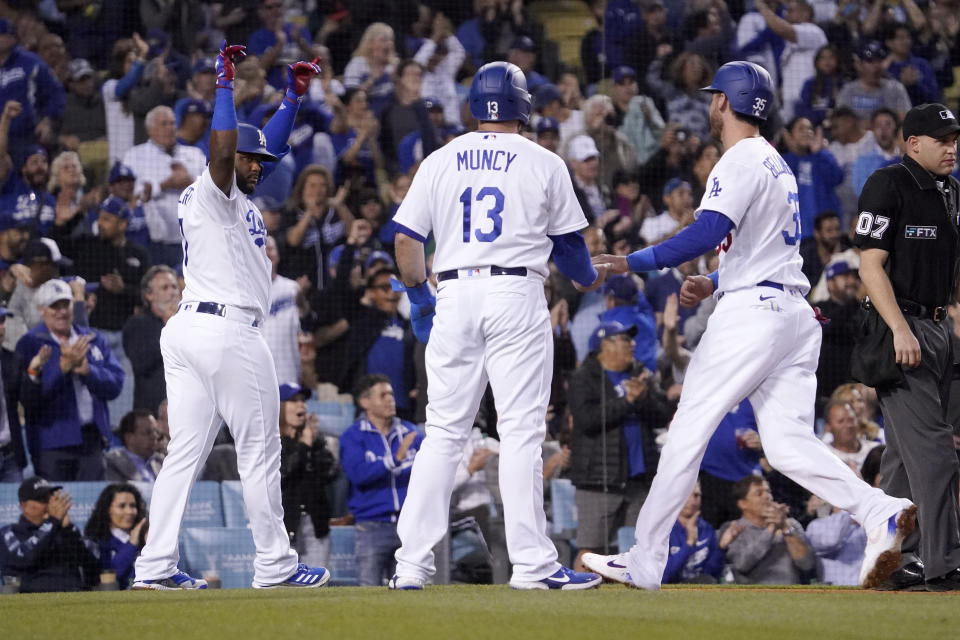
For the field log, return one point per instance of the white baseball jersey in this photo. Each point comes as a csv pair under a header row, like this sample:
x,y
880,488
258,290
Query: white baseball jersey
x,y
224,247
753,186
491,199
281,327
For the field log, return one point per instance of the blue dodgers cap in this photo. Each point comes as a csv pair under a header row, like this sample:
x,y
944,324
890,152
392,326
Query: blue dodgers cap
x,y
623,72
546,94
608,330
204,65
622,287
289,390
838,268
523,43
116,206
120,172
673,184
9,221
7,27
381,256
157,39
196,106
35,149
433,104
548,124
873,50
334,258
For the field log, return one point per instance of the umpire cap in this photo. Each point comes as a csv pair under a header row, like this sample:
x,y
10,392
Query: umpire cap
x,y
932,119
251,141
747,86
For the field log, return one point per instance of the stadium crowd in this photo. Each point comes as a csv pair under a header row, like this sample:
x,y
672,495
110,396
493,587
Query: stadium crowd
x,y
105,119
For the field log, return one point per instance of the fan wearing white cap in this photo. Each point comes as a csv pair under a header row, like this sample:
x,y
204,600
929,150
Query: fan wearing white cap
x,y
71,376
584,159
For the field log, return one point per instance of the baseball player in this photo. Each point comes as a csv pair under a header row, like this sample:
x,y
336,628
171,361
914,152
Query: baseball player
x,y
497,205
216,362
762,343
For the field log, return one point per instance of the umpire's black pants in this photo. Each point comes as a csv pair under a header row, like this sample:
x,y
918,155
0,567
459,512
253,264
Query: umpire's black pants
x,y
919,462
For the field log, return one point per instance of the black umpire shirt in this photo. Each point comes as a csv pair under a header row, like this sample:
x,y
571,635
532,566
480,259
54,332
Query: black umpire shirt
x,y
909,213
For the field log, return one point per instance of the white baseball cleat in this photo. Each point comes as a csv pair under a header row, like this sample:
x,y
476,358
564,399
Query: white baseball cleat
x,y
882,554
613,568
404,583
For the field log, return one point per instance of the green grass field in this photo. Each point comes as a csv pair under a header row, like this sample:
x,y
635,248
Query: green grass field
x,y
455,612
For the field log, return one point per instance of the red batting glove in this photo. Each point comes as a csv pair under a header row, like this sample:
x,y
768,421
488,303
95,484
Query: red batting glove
x,y
229,56
299,75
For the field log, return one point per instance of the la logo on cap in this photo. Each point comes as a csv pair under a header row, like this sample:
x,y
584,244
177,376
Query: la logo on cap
x,y
946,114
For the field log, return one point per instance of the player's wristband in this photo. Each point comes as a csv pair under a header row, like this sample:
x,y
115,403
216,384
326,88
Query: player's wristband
x,y
291,96
224,111
642,260
420,294
715,279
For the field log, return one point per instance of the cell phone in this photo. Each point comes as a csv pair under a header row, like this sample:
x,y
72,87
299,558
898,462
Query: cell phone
x,y
637,368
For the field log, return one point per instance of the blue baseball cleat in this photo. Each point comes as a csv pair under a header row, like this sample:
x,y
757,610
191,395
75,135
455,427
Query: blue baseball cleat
x,y
564,579
303,578
176,582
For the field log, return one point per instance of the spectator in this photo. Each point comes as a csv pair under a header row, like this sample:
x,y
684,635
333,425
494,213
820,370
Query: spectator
x,y
667,284
43,261
850,141
694,555
643,126
839,543
846,443
584,159
819,93
863,400
800,39
13,238
658,39
354,133
163,430
201,86
839,334
377,453
678,198
86,127
141,335
673,159
733,452
278,43
404,113
315,222
71,375
307,467
628,306
440,56
381,341
914,73
193,126
486,36
710,32
169,168
523,53
885,126
43,548
13,456
586,308
871,90
118,526
815,168
110,260
550,103
54,53
817,251
371,67
136,461
615,408
24,193
619,155
765,546
282,325
121,184
548,134
66,186
686,104
127,63
29,81
624,89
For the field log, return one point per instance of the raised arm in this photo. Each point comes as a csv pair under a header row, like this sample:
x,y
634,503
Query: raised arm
x,y
223,133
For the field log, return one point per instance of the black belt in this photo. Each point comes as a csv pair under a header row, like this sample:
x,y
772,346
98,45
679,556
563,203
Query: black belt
x,y
217,309
453,274
911,308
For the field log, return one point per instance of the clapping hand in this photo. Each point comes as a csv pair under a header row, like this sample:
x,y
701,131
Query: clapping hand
x,y
59,507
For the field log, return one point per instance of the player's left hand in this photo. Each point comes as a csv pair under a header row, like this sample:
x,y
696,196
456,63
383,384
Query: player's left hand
x,y
694,289
423,305
615,264
299,75
227,59
603,270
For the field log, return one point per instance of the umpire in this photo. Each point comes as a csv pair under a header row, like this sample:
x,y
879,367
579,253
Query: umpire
x,y
908,232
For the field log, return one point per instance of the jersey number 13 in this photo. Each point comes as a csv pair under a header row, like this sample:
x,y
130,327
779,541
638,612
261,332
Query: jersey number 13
x,y
493,213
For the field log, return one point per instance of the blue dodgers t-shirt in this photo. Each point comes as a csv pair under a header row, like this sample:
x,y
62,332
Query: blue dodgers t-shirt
x,y
723,458
386,356
632,429
659,289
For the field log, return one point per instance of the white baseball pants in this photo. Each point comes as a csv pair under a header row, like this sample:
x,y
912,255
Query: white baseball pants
x,y
494,328
765,350
218,368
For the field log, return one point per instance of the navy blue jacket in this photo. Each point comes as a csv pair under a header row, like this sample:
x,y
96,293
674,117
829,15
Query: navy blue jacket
x,y
378,483
10,367
119,556
48,557
26,78
50,405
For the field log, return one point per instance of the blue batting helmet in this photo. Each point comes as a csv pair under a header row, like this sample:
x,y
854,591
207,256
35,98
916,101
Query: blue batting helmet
x,y
499,92
251,140
747,86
